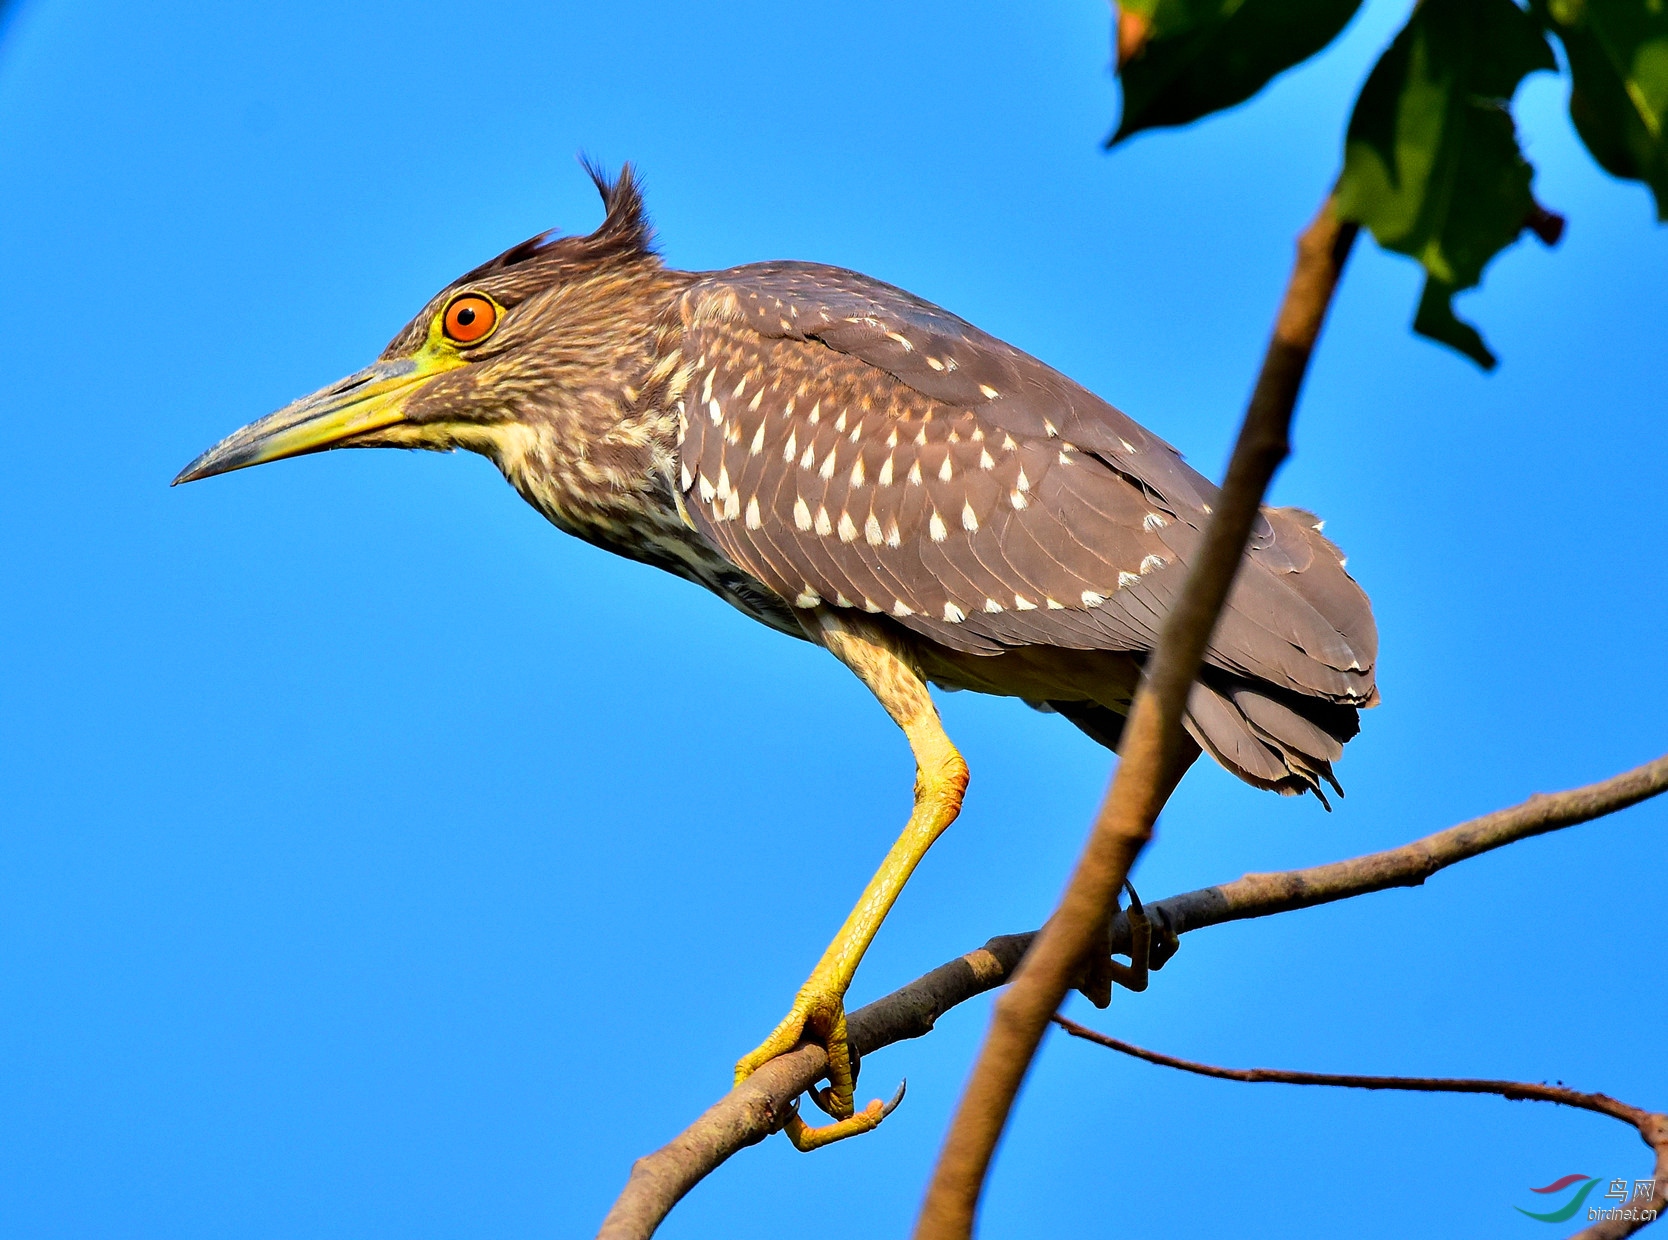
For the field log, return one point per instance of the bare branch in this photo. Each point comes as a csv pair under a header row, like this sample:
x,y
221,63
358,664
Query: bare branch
x,y
1258,895
1154,751
1655,1134
757,1107
1652,1126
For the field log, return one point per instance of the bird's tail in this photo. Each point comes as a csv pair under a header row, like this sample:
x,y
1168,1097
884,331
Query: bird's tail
x,y
1269,737
1285,742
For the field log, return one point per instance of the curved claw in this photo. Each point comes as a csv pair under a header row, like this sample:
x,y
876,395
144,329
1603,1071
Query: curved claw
x,y
896,1098
806,1138
1100,972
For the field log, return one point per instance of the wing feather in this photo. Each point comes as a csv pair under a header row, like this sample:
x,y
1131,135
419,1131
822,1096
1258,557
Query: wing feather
x,y
842,407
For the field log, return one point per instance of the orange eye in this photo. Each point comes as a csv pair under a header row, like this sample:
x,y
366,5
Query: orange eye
x,y
469,318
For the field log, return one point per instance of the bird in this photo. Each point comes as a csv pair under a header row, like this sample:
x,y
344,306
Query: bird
x,y
856,467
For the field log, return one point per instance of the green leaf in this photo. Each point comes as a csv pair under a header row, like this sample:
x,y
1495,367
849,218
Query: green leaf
x,y
1431,161
1618,54
1183,59
1435,318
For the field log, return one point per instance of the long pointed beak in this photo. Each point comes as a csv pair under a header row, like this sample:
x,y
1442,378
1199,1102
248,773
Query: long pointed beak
x,y
369,401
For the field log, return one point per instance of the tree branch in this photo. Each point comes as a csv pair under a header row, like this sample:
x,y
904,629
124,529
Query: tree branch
x,y
757,1107
1652,1126
1153,750
1258,895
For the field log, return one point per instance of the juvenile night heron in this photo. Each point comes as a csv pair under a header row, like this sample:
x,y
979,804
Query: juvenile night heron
x,y
854,466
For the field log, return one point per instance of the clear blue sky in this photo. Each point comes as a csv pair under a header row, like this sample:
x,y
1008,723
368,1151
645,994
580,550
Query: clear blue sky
x,y
377,861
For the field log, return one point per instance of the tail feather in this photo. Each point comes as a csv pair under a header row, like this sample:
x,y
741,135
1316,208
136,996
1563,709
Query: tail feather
x,y
1274,721
1283,742
1220,729
1269,737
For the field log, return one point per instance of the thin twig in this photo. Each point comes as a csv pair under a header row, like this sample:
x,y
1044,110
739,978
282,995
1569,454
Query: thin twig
x,y
1153,750
1652,1126
754,1109
1604,1104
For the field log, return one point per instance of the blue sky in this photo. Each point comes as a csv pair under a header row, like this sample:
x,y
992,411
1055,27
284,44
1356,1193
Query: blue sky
x,y
376,860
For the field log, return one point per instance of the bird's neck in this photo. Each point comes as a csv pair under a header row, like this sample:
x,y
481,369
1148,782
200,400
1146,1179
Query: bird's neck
x,y
594,447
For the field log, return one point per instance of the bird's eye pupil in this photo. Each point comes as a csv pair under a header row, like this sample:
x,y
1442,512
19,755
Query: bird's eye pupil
x,y
466,316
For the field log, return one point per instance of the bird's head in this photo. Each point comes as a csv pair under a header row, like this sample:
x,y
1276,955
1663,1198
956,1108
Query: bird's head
x,y
512,341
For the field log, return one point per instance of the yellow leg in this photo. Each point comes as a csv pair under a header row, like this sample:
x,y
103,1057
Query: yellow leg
x,y
940,779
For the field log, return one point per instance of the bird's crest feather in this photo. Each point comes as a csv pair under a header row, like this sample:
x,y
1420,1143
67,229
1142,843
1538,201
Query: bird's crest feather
x,y
624,235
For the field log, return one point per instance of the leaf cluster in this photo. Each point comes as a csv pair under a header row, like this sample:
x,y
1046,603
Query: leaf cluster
x,y
1432,166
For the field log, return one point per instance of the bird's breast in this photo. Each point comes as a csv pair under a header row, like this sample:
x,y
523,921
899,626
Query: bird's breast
x,y
635,514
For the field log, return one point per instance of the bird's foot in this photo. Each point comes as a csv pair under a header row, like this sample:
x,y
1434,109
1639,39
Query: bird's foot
x,y
1102,971
807,1138
819,1014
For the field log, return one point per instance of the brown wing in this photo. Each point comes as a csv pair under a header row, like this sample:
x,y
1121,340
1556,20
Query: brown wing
x,y
980,497
834,484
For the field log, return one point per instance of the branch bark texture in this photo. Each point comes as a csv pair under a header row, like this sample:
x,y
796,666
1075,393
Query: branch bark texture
x,y
1154,749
